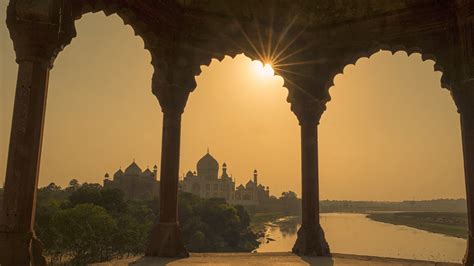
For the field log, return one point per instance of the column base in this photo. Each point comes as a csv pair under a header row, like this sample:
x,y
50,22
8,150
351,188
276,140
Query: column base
x,y
20,249
311,242
469,256
166,241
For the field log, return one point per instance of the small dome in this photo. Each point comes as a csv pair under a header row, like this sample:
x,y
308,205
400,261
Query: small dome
x,y
147,173
249,184
207,166
189,174
106,175
118,173
133,169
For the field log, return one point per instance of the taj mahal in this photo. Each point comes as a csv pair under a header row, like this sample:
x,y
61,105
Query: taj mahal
x,y
206,183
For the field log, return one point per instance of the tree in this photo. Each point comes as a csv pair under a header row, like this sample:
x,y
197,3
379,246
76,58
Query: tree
x,y
221,226
52,187
111,199
290,195
87,193
243,216
86,233
95,224
73,185
45,211
290,202
134,223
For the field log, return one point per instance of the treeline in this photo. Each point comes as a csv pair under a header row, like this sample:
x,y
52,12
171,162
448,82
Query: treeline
x,y
86,223
288,204
437,205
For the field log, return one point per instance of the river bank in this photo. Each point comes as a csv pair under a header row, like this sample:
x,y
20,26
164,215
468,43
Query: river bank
x,y
355,233
259,220
447,223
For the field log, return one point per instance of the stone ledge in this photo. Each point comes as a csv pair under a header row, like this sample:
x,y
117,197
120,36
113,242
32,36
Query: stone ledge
x,y
277,258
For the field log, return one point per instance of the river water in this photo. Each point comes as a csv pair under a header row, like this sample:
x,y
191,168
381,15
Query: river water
x,y
356,234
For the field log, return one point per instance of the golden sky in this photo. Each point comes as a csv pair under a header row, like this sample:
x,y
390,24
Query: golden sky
x,y
390,131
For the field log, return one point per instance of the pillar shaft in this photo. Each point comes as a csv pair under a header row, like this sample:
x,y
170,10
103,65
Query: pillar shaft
x,y
169,175
309,175
311,240
18,212
467,131
165,238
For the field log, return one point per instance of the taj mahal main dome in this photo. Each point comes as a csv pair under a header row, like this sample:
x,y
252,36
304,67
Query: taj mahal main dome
x,y
208,167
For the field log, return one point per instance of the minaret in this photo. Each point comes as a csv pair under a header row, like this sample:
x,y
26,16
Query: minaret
x,y
155,171
255,174
224,170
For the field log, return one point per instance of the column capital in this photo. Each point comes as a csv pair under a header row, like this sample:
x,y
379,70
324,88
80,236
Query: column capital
x,y
308,110
171,96
464,97
40,29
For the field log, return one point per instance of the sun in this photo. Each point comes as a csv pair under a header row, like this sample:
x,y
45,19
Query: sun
x,y
267,70
264,71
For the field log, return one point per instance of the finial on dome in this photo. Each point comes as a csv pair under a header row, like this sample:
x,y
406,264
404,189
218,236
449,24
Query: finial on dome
x,y
207,150
255,175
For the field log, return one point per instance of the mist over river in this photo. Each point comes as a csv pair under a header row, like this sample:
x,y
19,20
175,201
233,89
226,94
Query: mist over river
x,y
351,233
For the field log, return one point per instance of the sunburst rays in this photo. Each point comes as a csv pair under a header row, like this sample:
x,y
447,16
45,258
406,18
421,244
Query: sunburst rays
x,y
278,45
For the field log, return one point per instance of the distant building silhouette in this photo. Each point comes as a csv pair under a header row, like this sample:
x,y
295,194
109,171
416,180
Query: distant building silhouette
x,y
206,183
134,183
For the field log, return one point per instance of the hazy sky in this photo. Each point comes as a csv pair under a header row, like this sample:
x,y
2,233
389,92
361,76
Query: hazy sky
x,y
390,131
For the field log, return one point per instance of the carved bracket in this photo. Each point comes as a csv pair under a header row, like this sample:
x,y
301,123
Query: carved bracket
x,y
307,109
40,29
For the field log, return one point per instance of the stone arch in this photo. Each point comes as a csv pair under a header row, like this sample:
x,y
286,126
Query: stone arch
x,y
352,60
442,63
122,10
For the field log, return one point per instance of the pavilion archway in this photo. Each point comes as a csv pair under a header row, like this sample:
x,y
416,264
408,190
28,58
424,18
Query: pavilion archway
x,y
393,99
376,128
101,93
230,113
318,38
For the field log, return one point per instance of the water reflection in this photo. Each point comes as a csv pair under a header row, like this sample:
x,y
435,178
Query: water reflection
x,y
289,227
356,234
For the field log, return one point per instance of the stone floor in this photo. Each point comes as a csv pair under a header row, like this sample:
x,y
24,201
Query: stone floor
x,y
271,259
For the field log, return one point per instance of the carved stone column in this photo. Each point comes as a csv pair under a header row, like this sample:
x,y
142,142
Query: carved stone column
x,y
311,240
165,238
37,37
465,101
463,94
